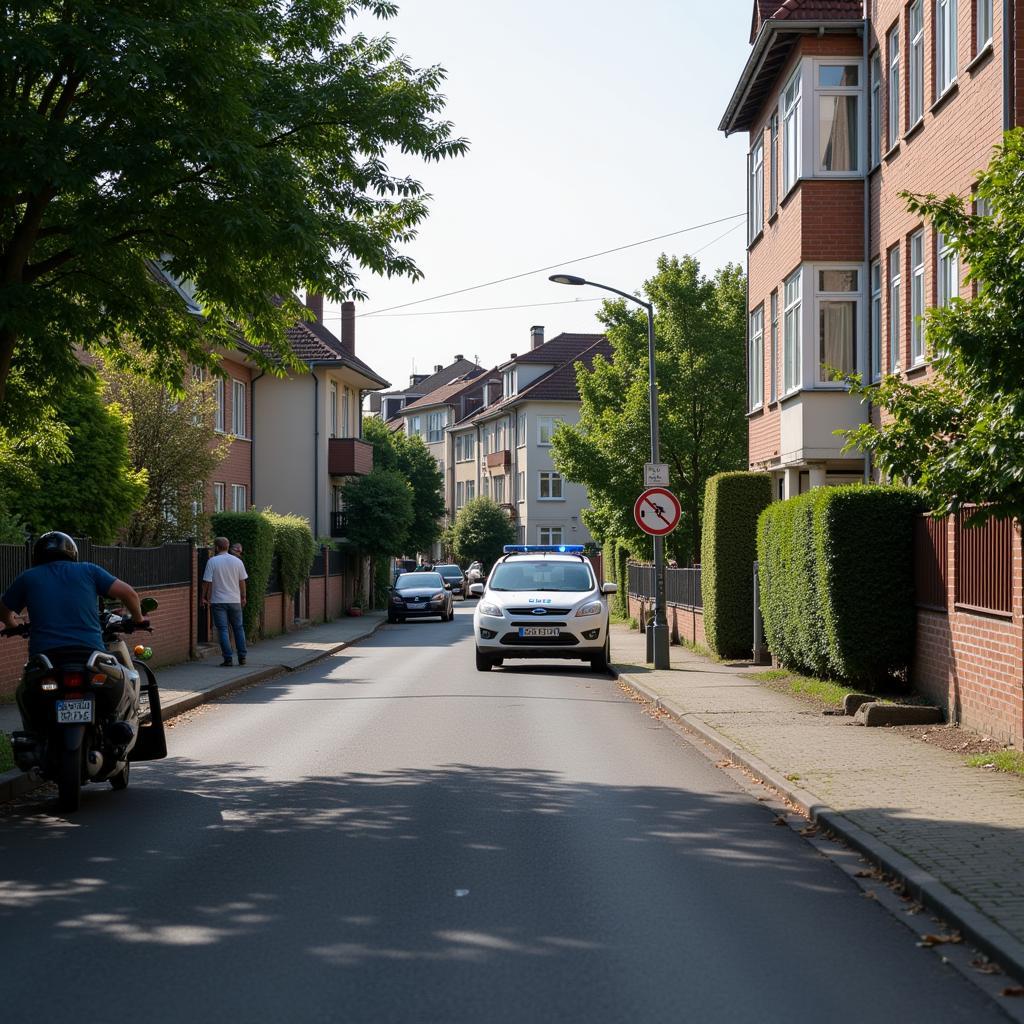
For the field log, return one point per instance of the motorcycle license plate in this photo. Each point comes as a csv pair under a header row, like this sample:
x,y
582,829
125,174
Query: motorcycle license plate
x,y
538,631
74,712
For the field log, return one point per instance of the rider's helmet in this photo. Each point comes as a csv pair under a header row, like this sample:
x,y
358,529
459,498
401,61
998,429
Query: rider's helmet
x,y
54,547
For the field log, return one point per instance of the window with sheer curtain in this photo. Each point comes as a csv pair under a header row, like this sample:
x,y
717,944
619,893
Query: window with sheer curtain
x,y
755,191
915,29
755,360
791,132
838,298
894,309
917,297
791,333
837,93
945,45
876,320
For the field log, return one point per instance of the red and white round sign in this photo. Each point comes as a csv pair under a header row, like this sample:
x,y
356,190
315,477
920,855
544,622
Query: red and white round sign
x,y
657,511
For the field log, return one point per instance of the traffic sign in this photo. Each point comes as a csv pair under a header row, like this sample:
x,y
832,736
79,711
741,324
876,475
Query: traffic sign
x,y
655,474
657,511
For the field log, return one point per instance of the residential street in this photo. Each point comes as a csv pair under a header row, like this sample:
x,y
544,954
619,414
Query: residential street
x,y
390,835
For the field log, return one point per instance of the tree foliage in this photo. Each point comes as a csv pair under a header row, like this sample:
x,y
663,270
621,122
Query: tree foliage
x,y
411,457
173,440
481,530
96,490
239,145
378,512
699,327
294,548
958,436
253,530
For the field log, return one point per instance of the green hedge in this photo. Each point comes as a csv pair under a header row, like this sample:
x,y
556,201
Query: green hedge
x,y
256,535
621,603
732,503
837,582
294,548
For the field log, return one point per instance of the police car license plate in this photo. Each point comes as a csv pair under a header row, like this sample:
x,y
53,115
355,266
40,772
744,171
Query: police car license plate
x,y
74,712
525,631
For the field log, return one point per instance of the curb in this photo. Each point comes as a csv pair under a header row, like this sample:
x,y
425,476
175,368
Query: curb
x,y
982,931
14,783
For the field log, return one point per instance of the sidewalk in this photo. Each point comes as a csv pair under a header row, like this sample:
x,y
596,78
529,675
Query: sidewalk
x,y
195,682
953,833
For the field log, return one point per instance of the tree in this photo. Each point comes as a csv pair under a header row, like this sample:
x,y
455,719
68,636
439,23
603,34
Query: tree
x,y
411,457
378,512
174,441
700,330
240,146
481,530
959,435
96,491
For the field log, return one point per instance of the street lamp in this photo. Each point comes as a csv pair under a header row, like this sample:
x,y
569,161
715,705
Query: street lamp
x,y
657,631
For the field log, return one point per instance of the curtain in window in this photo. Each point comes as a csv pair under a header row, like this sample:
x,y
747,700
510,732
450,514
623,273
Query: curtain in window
x,y
838,333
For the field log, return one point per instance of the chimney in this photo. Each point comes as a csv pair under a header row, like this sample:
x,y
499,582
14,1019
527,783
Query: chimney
x,y
458,358
438,368
512,356
348,327
316,304
536,337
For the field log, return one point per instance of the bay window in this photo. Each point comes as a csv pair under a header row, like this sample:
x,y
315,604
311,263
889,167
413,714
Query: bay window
x,y
773,368
755,190
837,96
791,132
755,360
791,333
837,301
916,298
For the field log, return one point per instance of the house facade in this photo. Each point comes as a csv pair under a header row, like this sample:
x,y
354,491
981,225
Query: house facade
x,y
388,405
846,105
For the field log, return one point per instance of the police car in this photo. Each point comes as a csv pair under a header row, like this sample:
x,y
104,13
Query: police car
x,y
542,601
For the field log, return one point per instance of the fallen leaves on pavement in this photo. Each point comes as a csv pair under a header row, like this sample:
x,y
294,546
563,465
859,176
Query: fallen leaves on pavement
x,y
1013,990
928,940
985,966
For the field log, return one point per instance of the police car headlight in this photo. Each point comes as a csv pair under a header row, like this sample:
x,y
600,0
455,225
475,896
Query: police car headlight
x,y
489,609
594,608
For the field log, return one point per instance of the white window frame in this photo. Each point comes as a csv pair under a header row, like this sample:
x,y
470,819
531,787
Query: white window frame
x,y
348,403
521,486
982,24
755,359
332,402
238,408
218,410
895,279
550,481
892,98
947,271
773,383
547,535
773,173
239,498
486,486
917,300
436,422
218,497
460,494
915,59
499,489
856,299
755,189
792,333
876,319
945,46
875,89
414,426
839,92
792,147
521,430
549,423
508,383
470,490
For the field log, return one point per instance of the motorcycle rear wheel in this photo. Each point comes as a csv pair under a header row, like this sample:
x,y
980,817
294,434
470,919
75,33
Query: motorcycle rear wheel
x,y
121,778
69,780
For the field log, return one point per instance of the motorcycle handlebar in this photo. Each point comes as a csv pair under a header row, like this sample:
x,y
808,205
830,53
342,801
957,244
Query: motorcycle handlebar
x,y
128,626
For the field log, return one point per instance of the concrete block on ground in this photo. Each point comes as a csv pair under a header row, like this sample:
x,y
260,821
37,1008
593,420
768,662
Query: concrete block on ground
x,y
852,701
877,713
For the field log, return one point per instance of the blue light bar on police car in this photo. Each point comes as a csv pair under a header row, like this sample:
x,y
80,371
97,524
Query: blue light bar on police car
x,y
525,549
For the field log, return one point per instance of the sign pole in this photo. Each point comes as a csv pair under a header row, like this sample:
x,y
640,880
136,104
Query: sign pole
x,y
657,631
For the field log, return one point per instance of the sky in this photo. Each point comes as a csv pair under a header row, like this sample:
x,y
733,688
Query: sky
x,y
592,124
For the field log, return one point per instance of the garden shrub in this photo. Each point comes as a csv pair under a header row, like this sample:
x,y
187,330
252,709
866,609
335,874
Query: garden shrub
x,y
836,582
294,548
732,504
256,536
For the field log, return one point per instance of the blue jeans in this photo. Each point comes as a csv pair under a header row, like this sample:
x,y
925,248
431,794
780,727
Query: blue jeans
x,y
222,615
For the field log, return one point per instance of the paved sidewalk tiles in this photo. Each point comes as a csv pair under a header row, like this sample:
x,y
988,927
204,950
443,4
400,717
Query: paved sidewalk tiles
x,y
944,822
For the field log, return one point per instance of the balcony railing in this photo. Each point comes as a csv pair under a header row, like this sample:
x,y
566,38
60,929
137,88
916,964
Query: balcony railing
x,y
499,460
349,456
339,524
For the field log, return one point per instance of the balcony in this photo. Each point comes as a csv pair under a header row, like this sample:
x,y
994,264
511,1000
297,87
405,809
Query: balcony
x,y
339,524
510,510
499,460
349,456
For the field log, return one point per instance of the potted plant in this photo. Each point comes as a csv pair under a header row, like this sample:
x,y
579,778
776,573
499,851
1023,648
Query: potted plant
x,y
356,607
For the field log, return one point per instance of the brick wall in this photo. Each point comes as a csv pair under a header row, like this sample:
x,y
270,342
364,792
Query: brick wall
x,y
236,466
315,601
684,624
972,664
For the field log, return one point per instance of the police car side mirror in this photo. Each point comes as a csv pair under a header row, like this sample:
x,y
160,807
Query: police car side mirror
x,y
609,588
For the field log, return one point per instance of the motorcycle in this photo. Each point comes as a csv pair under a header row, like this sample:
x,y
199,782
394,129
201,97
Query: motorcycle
x,y
83,710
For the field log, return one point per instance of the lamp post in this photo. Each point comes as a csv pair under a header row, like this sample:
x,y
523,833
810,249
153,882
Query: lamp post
x,y
657,631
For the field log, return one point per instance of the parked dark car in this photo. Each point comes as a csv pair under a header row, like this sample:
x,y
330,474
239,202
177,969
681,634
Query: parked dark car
x,y
416,594
454,575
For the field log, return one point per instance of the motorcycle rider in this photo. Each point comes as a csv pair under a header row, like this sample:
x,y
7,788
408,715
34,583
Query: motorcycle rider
x,y
60,594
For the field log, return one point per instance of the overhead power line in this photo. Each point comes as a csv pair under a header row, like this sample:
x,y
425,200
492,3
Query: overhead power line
x,y
491,309
554,266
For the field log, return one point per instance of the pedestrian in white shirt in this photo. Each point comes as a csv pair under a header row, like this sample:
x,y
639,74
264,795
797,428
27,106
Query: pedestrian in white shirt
x,y
224,591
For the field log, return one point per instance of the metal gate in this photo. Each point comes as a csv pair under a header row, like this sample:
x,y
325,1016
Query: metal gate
x,y
202,613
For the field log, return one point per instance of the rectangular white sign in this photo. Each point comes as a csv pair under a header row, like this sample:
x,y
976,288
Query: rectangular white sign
x,y
655,474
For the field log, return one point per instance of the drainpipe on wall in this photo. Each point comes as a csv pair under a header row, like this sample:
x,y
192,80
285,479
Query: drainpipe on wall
x,y
252,436
1009,111
867,235
316,451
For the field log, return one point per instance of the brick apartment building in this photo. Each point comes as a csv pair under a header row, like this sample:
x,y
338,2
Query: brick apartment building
x,y
848,104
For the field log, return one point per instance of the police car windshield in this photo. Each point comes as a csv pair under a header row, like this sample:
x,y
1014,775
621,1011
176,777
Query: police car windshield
x,y
418,580
570,577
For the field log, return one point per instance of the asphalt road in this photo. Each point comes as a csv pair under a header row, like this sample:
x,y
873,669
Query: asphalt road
x,y
393,836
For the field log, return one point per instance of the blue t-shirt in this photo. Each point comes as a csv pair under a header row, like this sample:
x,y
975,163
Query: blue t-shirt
x,y
61,602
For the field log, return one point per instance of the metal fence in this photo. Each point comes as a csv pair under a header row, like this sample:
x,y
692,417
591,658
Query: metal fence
x,y
335,562
317,568
682,586
144,568
274,580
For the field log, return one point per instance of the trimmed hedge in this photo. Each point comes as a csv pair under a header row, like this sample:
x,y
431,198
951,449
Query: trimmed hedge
x,y
621,602
837,582
732,504
256,535
294,548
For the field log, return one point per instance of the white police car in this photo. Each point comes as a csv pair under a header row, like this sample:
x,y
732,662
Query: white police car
x,y
542,601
